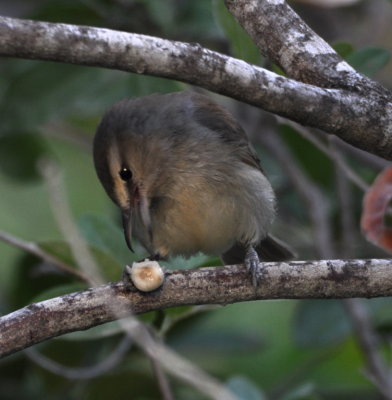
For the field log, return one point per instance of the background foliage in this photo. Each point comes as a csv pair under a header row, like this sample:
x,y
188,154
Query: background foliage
x,y
286,350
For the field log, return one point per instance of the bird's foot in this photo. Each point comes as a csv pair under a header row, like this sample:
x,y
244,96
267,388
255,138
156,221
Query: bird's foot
x,y
253,265
126,278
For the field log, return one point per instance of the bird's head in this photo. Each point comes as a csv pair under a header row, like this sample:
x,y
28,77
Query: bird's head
x,y
130,162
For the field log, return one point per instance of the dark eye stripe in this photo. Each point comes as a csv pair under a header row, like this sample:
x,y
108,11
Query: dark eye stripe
x,y
125,174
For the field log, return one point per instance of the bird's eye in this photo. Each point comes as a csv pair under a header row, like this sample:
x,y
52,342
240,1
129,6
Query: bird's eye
x,y
125,174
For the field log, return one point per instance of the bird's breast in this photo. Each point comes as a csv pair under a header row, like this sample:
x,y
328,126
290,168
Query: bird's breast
x,y
206,217
194,223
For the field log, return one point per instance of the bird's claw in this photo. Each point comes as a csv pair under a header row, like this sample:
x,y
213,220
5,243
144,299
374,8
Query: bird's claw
x,y
126,278
252,264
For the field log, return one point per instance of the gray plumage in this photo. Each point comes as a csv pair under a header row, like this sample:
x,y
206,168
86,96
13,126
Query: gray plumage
x,y
196,184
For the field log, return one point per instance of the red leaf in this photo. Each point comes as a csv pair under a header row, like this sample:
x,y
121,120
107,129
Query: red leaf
x,y
375,205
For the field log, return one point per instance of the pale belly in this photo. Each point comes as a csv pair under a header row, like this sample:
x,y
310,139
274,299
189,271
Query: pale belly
x,y
191,226
210,221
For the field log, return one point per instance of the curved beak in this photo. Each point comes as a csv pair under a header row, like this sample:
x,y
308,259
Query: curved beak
x,y
127,226
140,205
144,212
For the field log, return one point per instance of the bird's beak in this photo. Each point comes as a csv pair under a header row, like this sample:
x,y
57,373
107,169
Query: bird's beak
x,y
127,226
140,206
144,210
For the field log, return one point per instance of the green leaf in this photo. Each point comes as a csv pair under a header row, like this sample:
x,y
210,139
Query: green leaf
x,y
244,388
303,392
32,277
381,314
37,280
309,156
320,323
19,154
275,68
42,91
109,266
101,233
241,44
179,262
171,317
163,15
370,60
178,312
218,342
64,11
344,49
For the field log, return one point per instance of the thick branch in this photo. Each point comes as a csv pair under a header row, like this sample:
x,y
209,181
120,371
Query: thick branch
x,y
213,285
284,37
364,121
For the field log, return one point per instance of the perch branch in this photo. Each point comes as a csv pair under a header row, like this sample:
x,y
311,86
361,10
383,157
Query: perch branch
x,y
211,285
362,119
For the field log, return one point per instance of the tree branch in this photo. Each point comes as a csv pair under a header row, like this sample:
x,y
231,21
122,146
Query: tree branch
x,y
363,120
283,37
212,285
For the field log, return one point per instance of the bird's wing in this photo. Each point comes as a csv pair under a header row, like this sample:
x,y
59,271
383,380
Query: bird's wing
x,y
222,123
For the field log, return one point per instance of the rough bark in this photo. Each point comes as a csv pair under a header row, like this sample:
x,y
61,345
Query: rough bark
x,y
362,119
282,36
212,285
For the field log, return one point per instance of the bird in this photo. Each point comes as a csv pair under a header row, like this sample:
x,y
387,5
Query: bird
x,y
184,174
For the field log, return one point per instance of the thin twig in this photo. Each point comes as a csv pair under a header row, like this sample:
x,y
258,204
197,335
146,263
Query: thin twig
x,y
62,214
32,248
84,373
365,157
337,158
348,229
313,197
67,133
162,380
349,172
173,363
368,341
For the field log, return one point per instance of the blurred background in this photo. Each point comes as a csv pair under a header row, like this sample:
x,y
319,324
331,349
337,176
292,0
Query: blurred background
x,y
276,350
